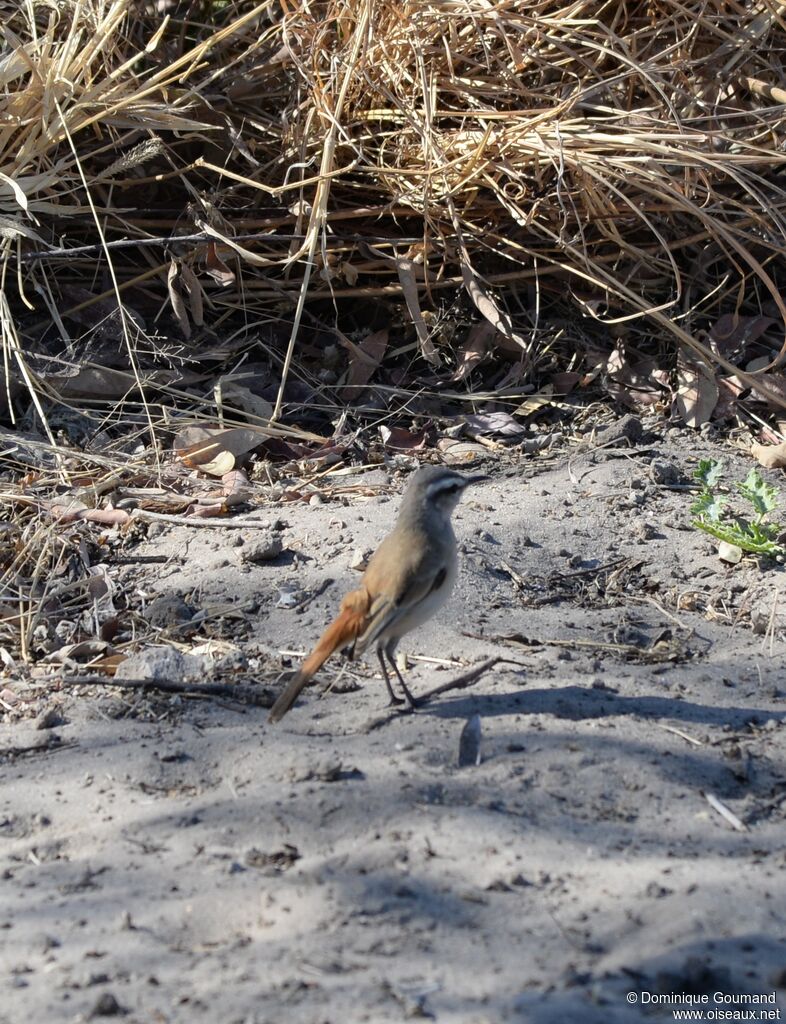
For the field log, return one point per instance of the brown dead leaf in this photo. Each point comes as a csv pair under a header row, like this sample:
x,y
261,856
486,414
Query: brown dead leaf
x,y
565,382
188,281
772,389
729,391
406,275
488,308
461,453
176,299
407,270
731,335
697,392
213,449
501,423
220,465
245,399
478,343
539,400
82,649
364,359
236,487
406,440
349,273
216,268
771,456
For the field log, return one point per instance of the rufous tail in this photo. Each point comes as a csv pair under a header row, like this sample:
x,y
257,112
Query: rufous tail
x,y
347,626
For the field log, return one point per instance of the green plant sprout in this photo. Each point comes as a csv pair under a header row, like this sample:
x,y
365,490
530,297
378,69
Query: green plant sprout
x,y
710,514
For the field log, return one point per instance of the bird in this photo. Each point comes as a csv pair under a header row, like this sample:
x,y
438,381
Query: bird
x,y
408,579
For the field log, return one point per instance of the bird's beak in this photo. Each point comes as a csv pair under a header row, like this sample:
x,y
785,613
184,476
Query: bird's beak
x,y
477,478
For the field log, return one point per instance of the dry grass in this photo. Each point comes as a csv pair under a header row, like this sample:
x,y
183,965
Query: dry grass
x,y
252,176
619,159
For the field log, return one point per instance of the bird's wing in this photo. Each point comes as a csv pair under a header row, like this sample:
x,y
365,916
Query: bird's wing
x,y
417,573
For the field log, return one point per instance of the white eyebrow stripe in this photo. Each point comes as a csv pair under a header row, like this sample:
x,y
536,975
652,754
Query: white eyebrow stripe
x,y
444,483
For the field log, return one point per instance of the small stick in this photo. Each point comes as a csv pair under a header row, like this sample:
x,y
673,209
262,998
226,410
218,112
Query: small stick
x,y
724,812
46,746
466,679
229,690
215,521
680,733
459,683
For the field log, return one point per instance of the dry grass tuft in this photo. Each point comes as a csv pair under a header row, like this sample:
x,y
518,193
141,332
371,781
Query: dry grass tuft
x,y
184,187
620,159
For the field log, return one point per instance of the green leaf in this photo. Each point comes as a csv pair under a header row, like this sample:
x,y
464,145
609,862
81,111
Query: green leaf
x,y
709,506
763,496
709,472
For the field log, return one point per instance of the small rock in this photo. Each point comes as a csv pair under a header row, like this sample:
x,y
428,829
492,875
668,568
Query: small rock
x,y
169,610
107,1006
645,531
626,429
360,559
289,596
263,548
664,472
49,718
159,664
315,499
730,553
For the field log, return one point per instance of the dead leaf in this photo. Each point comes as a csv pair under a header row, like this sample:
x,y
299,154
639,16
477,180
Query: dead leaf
x,y
83,649
488,308
406,275
223,463
461,453
236,487
364,359
697,392
731,335
406,268
565,382
477,346
772,389
214,450
399,437
176,299
771,456
244,398
216,268
188,281
539,400
729,391
349,273
501,423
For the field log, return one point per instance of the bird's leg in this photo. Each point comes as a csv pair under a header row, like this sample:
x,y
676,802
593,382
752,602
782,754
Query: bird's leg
x,y
390,651
394,700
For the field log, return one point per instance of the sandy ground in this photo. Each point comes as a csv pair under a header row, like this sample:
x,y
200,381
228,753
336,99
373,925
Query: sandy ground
x,y
171,859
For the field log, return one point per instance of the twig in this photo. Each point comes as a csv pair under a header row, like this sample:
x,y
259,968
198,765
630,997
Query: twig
x,y
680,733
247,694
459,683
466,679
46,745
144,559
724,812
200,236
224,524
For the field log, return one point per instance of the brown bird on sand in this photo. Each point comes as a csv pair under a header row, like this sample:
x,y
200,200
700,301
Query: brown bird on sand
x,y
408,579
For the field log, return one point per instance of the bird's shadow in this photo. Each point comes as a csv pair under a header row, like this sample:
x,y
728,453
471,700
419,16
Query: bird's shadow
x,y
578,703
